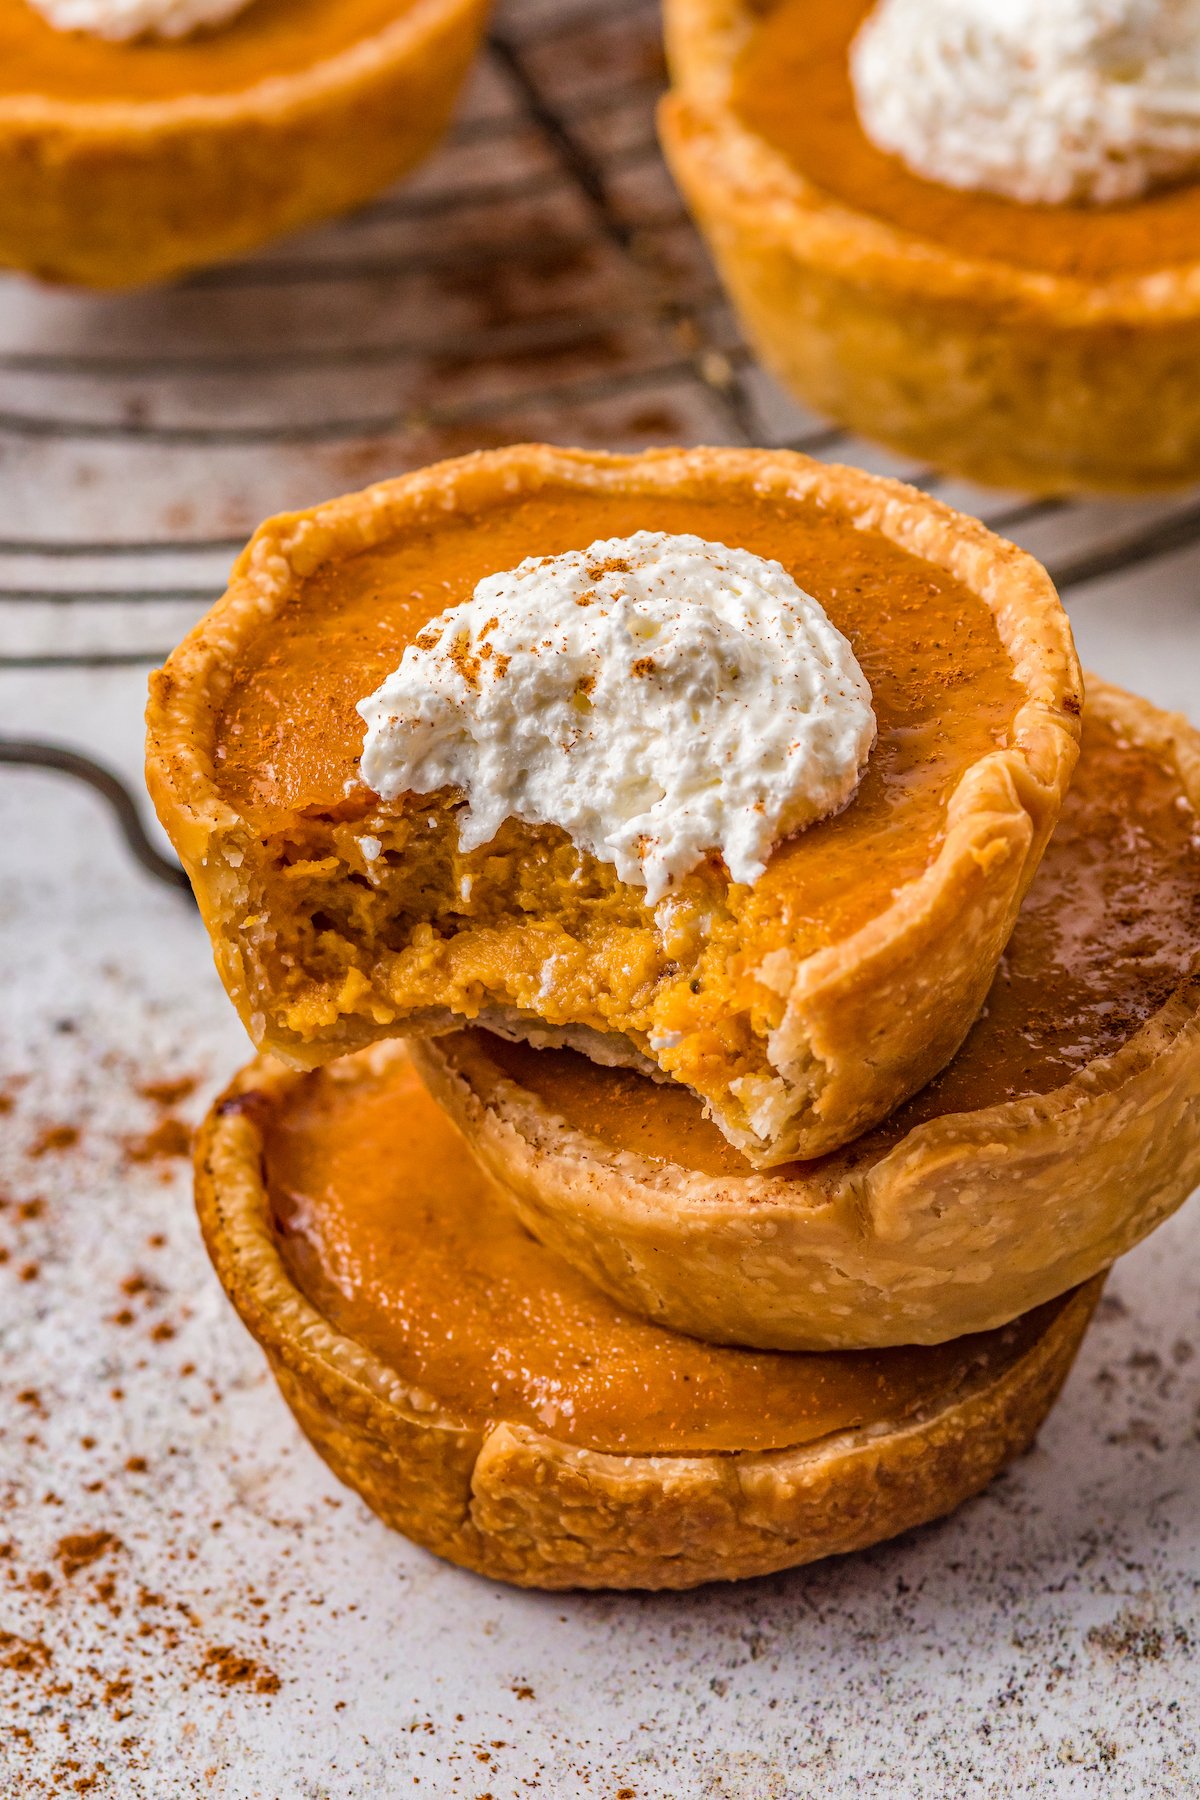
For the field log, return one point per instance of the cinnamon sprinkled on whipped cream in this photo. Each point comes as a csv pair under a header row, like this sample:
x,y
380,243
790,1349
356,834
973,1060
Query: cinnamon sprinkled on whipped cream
x,y
1051,101
121,20
658,697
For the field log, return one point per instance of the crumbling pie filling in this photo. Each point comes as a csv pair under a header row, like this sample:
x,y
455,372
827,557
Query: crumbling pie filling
x,y
800,1007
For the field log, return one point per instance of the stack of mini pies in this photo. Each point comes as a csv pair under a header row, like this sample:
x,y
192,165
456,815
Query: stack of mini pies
x,y
546,1316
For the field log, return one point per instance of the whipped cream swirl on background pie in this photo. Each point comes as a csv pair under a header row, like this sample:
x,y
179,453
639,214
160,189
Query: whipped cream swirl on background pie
x,y
658,697
1051,101
123,19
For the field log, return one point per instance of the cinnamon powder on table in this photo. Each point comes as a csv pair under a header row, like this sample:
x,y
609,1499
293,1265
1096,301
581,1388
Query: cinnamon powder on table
x,y
170,1135
71,1695
233,1669
82,1549
85,1642
168,1093
55,1138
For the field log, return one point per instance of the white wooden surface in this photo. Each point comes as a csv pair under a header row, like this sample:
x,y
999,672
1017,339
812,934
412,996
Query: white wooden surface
x,y
1045,1641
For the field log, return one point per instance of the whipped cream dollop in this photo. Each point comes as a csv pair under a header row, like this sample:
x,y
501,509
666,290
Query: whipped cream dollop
x,y
656,696
124,19
1051,101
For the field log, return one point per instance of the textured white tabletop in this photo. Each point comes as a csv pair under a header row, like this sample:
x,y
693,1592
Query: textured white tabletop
x,y
189,1604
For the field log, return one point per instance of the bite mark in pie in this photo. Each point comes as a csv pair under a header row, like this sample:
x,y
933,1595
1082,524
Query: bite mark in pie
x,y
802,1008
1066,1128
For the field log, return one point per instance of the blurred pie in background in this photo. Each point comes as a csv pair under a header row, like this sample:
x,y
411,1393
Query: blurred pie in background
x,y
142,138
967,228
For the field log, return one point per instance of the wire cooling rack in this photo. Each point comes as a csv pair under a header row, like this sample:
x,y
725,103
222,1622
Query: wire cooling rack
x,y
537,279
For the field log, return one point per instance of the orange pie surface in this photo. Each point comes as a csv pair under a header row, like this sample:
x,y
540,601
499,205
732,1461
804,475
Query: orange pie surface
x,y
1109,929
269,38
792,87
402,1243
288,740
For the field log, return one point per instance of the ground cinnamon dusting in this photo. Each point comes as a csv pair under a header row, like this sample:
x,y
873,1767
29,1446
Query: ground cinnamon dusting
x,y
80,1550
25,1656
168,1093
466,664
232,1669
157,1626
55,1138
87,1641
170,1137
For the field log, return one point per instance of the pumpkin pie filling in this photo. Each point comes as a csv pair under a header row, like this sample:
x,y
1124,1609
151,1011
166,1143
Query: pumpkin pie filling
x,y
270,38
792,87
401,1242
528,922
1107,932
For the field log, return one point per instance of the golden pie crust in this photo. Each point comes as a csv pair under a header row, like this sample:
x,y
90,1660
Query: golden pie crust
x,y
1015,377
953,1221
833,1038
113,192
521,1505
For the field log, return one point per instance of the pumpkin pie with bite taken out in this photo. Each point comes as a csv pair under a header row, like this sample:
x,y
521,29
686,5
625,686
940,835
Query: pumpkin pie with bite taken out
x,y
801,1002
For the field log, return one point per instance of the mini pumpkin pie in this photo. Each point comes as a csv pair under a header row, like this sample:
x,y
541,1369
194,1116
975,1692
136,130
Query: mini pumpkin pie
x,y
124,162
1067,1127
489,1403
800,1007
1047,347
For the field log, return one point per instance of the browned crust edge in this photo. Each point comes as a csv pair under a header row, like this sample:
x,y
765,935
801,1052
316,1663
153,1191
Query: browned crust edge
x,y
113,194
520,1506
866,1021
969,1221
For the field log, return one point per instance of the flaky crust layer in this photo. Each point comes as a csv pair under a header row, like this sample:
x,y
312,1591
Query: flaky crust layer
x,y
1009,376
969,1221
116,194
865,1021
520,1506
